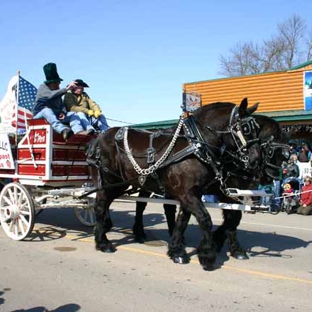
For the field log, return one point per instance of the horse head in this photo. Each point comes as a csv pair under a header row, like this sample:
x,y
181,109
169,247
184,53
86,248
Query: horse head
x,y
234,130
273,147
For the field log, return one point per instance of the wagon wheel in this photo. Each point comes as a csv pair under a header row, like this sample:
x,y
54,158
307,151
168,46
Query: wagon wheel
x,y
86,215
274,209
16,211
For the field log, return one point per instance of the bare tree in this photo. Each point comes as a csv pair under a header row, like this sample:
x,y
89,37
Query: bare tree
x,y
291,46
243,60
308,43
292,33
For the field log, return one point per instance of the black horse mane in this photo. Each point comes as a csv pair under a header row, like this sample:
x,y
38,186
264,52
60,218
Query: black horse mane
x,y
211,112
214,105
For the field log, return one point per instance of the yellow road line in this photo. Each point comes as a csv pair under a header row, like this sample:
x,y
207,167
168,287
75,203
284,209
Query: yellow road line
x,y
227,267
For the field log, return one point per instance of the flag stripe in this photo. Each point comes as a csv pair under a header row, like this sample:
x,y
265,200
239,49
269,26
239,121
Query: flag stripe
x,y
20,103
26,98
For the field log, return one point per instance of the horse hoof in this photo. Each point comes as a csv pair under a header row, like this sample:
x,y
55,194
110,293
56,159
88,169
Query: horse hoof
x,y
140,240
106,249
209,267
180,260
240,255
109,250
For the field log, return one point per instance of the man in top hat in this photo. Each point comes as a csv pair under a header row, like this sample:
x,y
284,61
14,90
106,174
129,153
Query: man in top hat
x,y
76,100
49,105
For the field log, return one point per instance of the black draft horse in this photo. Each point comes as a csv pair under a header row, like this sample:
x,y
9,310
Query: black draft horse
x,y
182,167
274,152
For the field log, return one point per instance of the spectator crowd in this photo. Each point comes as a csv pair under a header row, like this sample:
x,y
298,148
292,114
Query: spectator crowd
x,y
295,178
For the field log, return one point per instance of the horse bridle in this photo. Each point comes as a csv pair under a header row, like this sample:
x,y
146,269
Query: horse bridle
x,y
269,149
240,129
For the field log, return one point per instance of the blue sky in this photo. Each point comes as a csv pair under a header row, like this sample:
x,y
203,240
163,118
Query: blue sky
x,y
135,55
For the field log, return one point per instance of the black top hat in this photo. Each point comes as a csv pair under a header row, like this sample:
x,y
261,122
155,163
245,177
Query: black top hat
x,y
51,74
81,83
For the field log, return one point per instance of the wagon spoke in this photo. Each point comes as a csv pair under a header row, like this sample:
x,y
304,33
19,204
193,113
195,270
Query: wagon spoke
x,y
11,225
10,195
90,212
3,208
15,196
8,200
15,223
24,205
22,228
24,213
85,216
6,219
20,198
24,220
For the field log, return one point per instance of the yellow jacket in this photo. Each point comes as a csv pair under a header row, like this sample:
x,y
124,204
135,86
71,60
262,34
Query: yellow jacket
x,y
79,103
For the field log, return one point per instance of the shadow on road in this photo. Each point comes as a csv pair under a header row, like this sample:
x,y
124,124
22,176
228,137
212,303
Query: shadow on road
x,y
269,244
1,299
71,307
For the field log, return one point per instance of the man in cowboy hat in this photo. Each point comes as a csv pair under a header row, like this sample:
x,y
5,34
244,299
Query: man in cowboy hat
x,y
76,100
49,105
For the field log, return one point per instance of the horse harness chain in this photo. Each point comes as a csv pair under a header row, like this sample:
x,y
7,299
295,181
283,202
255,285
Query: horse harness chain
x,y
159,162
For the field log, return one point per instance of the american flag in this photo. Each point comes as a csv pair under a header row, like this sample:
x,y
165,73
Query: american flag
x,y
26,98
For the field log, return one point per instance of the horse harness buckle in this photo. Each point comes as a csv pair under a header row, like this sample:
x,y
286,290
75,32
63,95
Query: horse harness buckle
x,y
151,150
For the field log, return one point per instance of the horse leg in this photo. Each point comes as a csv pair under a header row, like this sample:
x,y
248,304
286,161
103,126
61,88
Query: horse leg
x,y
219,237
138,227
170,211
102,226
206,250
231,222
176,249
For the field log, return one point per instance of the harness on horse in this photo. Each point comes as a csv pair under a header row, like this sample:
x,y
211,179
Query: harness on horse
x,y
269,148
196,146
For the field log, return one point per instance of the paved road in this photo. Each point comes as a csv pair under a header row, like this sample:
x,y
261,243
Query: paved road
x,y
58,269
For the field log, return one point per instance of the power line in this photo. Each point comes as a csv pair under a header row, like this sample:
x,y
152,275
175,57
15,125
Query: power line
x,y
124,122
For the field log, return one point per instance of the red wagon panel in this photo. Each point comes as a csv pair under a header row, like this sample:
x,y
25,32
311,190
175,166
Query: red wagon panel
x,y
38,153
61,170
67,154
30,170
43,157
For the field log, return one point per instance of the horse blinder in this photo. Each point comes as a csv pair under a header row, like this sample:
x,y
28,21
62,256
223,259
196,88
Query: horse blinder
x,y
269,150
243,129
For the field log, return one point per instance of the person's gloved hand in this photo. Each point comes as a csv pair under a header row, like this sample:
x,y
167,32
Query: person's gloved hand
x,y
97,113
90,112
